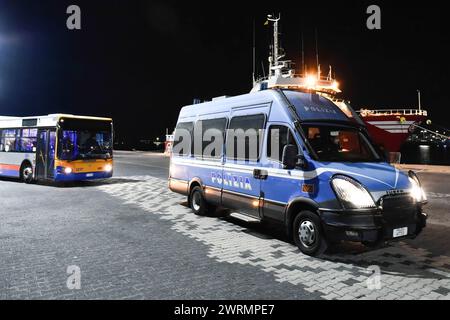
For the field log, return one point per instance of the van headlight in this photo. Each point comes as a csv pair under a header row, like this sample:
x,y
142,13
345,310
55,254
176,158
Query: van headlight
x,y
108,168
351,193
416,188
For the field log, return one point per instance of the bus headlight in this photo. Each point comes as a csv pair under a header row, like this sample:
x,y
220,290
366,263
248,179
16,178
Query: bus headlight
x,y
108,168
416,188
351,193
68,170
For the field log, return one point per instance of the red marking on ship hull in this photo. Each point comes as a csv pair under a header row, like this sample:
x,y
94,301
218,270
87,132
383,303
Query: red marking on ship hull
x,y
390,141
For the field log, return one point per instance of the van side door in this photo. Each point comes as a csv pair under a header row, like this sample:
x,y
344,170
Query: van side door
x,y
280,185
241,184
209,135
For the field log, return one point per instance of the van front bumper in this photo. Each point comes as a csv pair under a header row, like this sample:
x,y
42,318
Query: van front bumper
x,y
371,227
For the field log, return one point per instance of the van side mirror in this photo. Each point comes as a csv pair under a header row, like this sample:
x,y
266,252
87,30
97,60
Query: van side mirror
x,y
383,152
291,158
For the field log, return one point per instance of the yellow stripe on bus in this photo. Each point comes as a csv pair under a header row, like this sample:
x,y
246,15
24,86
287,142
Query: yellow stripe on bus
x,y
82,166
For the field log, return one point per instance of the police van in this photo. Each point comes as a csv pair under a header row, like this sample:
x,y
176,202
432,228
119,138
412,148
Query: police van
x,y
314,169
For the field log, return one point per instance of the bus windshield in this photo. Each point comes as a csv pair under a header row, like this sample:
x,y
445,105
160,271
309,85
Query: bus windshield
x,y
334,143
85,139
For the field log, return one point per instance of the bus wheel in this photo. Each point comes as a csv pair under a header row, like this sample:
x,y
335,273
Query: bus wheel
x,y
308,234
26,173
198,203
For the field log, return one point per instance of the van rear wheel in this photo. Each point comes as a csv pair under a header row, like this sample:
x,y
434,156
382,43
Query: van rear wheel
x,y
308,234
198,203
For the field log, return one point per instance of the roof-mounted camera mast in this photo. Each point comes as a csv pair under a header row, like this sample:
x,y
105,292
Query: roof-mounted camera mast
x,y
282,74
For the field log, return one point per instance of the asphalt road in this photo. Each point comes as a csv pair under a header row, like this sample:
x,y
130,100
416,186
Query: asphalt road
x,y
141,163
437,186
131,238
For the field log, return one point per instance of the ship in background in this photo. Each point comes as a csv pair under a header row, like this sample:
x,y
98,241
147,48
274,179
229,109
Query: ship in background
x,y
389,128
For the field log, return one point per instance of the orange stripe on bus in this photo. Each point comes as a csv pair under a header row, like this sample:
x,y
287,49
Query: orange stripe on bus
x,y
9,167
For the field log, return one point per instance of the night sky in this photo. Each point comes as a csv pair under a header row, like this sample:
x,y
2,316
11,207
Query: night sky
x,y
141,61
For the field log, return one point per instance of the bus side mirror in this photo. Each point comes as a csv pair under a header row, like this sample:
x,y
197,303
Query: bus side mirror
x,y
291,159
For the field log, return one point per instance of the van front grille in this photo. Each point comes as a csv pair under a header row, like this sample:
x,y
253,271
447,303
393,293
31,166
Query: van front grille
x,y
399,210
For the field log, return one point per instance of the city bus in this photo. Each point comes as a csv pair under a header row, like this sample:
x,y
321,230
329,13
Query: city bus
x,y
56,147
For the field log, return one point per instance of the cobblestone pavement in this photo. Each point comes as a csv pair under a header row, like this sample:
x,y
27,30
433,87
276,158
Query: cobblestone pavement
x,y
121,250
408,270
134,239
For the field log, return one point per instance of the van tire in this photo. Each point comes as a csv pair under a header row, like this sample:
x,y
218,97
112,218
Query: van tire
x,y
26,173
198,203
308,234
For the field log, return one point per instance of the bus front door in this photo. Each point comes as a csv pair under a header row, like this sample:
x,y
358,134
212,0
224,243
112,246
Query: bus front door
x,y
45,154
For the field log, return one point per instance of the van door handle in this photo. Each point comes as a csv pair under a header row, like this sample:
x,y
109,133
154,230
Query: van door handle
x,y
260,174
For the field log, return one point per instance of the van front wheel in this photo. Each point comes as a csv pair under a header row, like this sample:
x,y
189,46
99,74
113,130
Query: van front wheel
x,y
198,203
308,234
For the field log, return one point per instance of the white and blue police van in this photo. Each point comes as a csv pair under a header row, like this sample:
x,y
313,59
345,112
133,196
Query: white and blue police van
x,y
314,169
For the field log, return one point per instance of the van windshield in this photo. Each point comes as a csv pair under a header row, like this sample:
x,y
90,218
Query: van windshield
x,y
340,144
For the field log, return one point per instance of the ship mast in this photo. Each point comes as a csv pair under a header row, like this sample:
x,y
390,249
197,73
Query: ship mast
x,y
282,74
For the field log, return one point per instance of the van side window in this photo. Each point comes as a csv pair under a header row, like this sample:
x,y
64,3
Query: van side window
x,y
279,137
182,144
244,137
213,135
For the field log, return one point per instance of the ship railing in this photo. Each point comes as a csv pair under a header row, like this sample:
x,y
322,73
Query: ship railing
x,y
392,112
321,78
297,75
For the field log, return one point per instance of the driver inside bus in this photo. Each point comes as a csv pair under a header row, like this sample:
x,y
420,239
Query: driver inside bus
x,y
92,143
67,144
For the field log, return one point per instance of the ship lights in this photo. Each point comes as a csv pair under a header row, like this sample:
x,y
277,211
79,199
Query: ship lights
x,y
311,81
335,85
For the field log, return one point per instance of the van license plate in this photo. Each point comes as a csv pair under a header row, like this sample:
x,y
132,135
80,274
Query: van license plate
x,y
89,175
401,232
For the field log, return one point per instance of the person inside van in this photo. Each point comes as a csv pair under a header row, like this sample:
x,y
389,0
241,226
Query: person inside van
x,y
339,144
324,143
